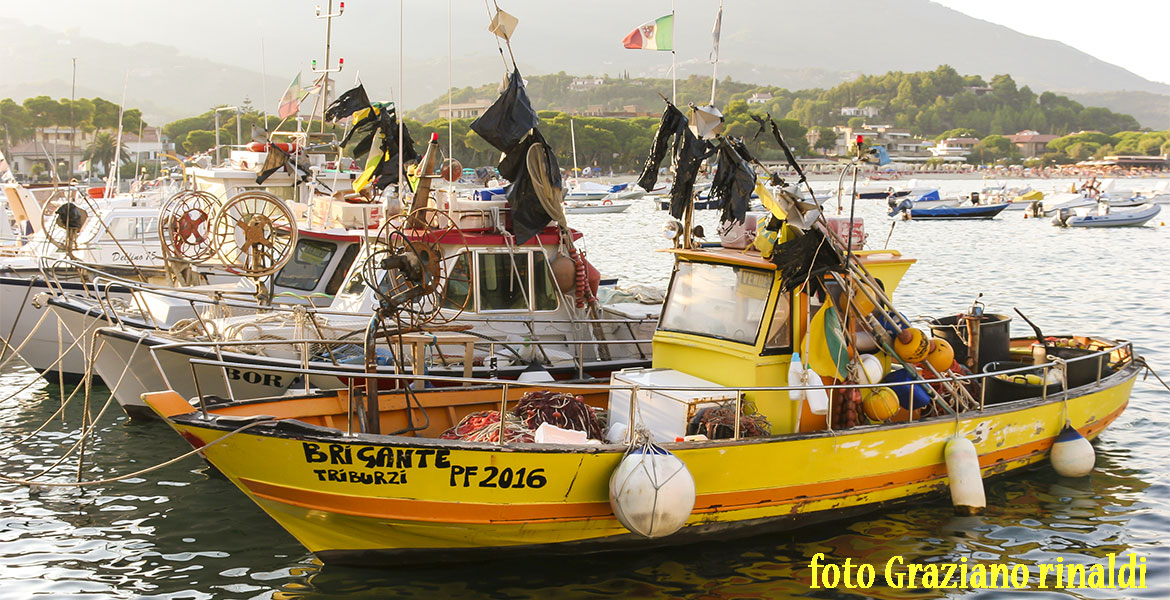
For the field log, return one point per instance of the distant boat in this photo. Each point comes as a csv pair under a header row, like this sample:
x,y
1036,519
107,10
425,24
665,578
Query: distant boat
x,y
1108,218
593,208
951,213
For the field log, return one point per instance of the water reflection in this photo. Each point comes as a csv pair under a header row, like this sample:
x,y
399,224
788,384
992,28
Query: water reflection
x,y
183,532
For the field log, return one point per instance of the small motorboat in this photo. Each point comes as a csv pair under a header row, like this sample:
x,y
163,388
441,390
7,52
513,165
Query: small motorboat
x,y
594,208
1104,216
910,211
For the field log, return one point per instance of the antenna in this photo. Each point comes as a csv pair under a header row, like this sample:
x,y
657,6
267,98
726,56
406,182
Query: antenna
x,y
328,16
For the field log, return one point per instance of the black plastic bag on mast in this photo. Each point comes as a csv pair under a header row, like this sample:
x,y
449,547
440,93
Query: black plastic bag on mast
x,y
509,118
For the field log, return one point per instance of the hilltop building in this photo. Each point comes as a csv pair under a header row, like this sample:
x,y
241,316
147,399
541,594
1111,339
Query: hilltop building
x,y
868,112
1031,143
899,143
51,146
760,98
465,110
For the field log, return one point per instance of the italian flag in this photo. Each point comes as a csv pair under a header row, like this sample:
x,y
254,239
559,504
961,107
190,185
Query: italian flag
x,y
653,35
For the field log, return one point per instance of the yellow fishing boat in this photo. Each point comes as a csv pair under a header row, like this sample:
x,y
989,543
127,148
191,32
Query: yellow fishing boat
x,y
733,320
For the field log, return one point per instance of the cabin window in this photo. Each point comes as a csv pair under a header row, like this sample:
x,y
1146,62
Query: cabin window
x,y
459,285
309,260
720,301
503,278
545,289
780,330
131,228
504,282
343,265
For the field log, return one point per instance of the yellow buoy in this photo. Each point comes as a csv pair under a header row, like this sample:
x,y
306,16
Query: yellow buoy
x,y
862,303
912,345
880,403
941,355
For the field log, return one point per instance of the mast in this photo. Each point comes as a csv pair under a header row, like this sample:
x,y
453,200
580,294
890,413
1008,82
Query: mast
x,y
328,16
573,140
72,121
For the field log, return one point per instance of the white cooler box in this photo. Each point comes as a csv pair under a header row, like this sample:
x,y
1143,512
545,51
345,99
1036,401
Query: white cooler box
x,y
664,412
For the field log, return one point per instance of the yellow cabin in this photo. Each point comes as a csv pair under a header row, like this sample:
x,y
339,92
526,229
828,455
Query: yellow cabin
x,y
726,321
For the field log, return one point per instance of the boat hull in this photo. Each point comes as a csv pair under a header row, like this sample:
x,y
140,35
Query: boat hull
x,y
27,323
390,499
957,213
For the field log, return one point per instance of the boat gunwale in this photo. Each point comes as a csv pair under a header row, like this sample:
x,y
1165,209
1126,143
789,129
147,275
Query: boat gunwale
x,y
307,432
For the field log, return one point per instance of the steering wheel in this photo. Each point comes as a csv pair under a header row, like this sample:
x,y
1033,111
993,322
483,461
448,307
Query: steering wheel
x,y
185,221
255,233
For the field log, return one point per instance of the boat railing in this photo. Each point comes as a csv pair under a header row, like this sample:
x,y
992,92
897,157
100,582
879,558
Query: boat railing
x,y
1122,349
225,298
218,346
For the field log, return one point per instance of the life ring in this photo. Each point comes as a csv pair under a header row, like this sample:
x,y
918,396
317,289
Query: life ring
x,y
607,202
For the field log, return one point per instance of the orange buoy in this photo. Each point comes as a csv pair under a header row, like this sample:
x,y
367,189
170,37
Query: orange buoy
x,y
912,345
940,355
880,404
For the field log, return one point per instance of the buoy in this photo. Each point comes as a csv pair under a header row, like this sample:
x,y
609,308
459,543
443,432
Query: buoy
x,y
652,492
871,368
941,355
1072,455
862,303
564,272
880,404
966,480
897,380
912,345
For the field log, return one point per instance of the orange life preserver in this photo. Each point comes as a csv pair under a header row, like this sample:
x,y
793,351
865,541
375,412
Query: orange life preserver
x,y
607,202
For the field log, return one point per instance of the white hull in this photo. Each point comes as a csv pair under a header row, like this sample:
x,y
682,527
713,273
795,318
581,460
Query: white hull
x,y
34,329
596,208
127,367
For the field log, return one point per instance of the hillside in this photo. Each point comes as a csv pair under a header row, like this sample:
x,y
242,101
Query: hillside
x,y
926,102
189,59
158,79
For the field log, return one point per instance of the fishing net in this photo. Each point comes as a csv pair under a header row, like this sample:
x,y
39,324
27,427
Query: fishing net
x,y
484,426
557,408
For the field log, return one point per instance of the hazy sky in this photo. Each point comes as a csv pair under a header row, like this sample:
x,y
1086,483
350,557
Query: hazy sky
x,y
1128,33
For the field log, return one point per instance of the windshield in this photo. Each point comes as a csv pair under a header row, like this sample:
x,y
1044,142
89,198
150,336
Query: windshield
x,y
720,301
309,260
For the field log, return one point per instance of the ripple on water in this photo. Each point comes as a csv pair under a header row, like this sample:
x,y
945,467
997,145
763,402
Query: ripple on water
x,y
182,532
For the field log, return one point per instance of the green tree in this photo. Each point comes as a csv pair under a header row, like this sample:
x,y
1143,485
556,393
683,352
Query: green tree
x,y
102,149
958,132
15,121
198,140
826,139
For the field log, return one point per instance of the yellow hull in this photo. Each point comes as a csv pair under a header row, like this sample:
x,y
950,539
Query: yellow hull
x,y
367,499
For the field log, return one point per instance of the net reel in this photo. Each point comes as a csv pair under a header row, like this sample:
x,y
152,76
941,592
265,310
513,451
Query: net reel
x,y
254,234
62,218
185,226
415,271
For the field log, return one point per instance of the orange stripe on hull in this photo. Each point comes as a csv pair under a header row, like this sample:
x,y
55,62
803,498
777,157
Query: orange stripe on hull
x,y
479,513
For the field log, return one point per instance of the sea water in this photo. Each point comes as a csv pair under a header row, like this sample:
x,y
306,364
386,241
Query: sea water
x,y
183,531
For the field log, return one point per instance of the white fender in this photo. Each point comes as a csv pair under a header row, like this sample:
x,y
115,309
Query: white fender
x,y
872,368
651,492
966,480
794,372
1072,455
